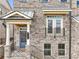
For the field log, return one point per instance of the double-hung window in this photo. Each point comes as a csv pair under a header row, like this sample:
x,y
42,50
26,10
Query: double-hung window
x,y
78,3
61,49
58,24
47,49
23,1
54,24
44,1
63,0
50,24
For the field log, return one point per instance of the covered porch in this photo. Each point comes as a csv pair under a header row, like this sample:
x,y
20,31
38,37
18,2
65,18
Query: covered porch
x,y
17,35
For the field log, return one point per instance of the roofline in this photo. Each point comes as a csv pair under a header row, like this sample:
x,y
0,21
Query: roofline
x,y
15,19
75,19
14,12
56,10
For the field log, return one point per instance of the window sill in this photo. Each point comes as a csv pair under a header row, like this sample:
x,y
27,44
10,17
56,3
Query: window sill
x,y
59,35
61,56
47,55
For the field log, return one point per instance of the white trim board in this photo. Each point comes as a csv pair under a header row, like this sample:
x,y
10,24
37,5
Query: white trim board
x,y
55,10
14,13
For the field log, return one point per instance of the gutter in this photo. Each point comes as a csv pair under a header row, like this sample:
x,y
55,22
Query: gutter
x,y
56,10
70,30
70,21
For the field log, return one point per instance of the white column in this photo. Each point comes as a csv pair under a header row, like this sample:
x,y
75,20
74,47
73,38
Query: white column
x,y
7,34
7,45
28,30
28,27
28,42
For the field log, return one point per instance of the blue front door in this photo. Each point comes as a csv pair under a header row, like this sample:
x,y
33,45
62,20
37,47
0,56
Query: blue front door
x,y
22,39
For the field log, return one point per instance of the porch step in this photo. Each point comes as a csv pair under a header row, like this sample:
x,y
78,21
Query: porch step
x,y
19,55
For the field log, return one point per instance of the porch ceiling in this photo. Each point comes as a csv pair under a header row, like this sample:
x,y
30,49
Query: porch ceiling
x,y
21,25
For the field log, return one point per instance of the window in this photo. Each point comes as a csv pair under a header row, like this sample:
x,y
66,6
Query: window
x,y
61,49
49,26
47,49
23,1
58,25
78,3
63,0
54,24
44,1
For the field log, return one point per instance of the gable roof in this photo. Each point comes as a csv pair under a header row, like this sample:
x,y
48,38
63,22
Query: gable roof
x,y
21,14
76,18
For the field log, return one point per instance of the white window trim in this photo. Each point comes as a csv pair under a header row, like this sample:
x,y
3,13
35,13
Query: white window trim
x,y
54,24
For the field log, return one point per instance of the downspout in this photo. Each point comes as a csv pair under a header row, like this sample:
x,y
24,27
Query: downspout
x,y
70,26
5,29
4,33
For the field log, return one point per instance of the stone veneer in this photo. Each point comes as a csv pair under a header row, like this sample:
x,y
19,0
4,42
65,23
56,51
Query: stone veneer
x,y
37,34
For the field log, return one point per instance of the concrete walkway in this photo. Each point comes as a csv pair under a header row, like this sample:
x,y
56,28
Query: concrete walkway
x,y
19,55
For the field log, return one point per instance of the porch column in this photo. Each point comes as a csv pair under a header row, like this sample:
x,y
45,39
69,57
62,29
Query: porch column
x,y
7,45
28,33
28,41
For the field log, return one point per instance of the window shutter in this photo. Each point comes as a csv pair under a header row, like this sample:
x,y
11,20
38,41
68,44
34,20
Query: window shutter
x,y
63,31
45,32
27,35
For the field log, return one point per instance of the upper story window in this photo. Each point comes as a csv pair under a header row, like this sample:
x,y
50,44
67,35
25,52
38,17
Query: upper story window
x,y
44,1
47,49
63,0
54,24
23,1
78,3
50,23
58,25
61,49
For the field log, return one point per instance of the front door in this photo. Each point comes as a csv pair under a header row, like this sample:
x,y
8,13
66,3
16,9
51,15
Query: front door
x,y
23,38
